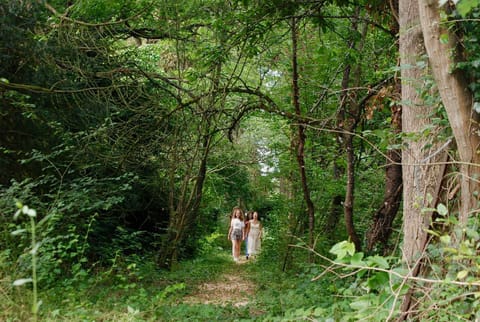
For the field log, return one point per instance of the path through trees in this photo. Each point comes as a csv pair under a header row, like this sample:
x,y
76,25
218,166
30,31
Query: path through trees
x,y
232,287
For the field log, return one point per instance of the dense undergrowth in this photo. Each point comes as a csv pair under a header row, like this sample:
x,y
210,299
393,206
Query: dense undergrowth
x,y
132,288
345,286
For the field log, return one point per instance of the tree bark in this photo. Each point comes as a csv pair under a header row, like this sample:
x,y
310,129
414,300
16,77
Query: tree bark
x,y
381,228
350,193
457,100
184,214
300,152
422,155
350,115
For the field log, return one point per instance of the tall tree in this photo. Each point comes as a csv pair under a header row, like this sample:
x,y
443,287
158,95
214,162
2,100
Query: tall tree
x,y
442,48
350,116
423,156
300,137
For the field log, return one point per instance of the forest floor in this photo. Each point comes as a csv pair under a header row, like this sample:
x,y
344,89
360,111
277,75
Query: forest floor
x,y
231,287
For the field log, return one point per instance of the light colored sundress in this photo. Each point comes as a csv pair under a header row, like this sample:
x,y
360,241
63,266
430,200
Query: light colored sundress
x,y
254,241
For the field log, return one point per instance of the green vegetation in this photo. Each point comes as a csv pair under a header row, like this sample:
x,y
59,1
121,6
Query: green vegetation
x,y
130,129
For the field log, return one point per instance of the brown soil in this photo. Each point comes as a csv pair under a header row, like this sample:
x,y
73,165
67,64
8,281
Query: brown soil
x,y
233,287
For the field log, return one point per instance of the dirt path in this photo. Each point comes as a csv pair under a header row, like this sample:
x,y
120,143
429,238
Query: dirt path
x,y
233,287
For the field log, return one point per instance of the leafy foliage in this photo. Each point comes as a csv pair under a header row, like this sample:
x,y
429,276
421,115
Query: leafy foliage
x,y
133,128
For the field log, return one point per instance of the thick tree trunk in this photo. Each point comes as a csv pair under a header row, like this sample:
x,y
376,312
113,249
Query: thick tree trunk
x,y
421,172
457,101
301,138
422,155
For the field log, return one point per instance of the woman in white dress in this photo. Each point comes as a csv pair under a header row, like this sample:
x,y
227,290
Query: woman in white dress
x,y
254,235
236,233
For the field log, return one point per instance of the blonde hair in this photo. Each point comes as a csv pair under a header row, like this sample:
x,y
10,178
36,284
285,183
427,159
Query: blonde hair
x,y
234,210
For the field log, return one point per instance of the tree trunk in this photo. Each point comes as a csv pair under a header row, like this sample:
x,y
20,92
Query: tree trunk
x,y
184,214
350,115
334,214
457,101
381,228
350,192
422,155
300,153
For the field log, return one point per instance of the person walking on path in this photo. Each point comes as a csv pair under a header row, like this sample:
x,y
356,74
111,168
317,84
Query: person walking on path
x,y
236,232
254,235
247,230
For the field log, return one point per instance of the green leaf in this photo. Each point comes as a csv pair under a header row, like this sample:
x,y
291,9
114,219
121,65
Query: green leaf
x,y
444,39
34,250
32,213
17,214
360,305
442,209
451,250
379,261
445,239
432,232
18,232
357,259
22,281
465,6
343,248
462,274
378,280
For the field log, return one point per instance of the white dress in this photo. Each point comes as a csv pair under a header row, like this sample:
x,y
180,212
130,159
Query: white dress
x,y
254,241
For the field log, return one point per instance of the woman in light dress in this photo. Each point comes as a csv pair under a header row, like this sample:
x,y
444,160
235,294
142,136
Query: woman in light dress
x,y
236,233
254,235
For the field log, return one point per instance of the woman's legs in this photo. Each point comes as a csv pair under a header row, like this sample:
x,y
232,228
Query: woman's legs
x,y
236,249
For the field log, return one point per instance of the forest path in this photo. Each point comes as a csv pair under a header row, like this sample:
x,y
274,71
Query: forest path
x,y
232,287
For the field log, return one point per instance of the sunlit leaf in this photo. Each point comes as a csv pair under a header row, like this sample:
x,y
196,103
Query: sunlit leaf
x,y
464,7
32,213
18,232
22,281
462,274
445,239
343,248
35,249
442,209
17,214
444,38
360,305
